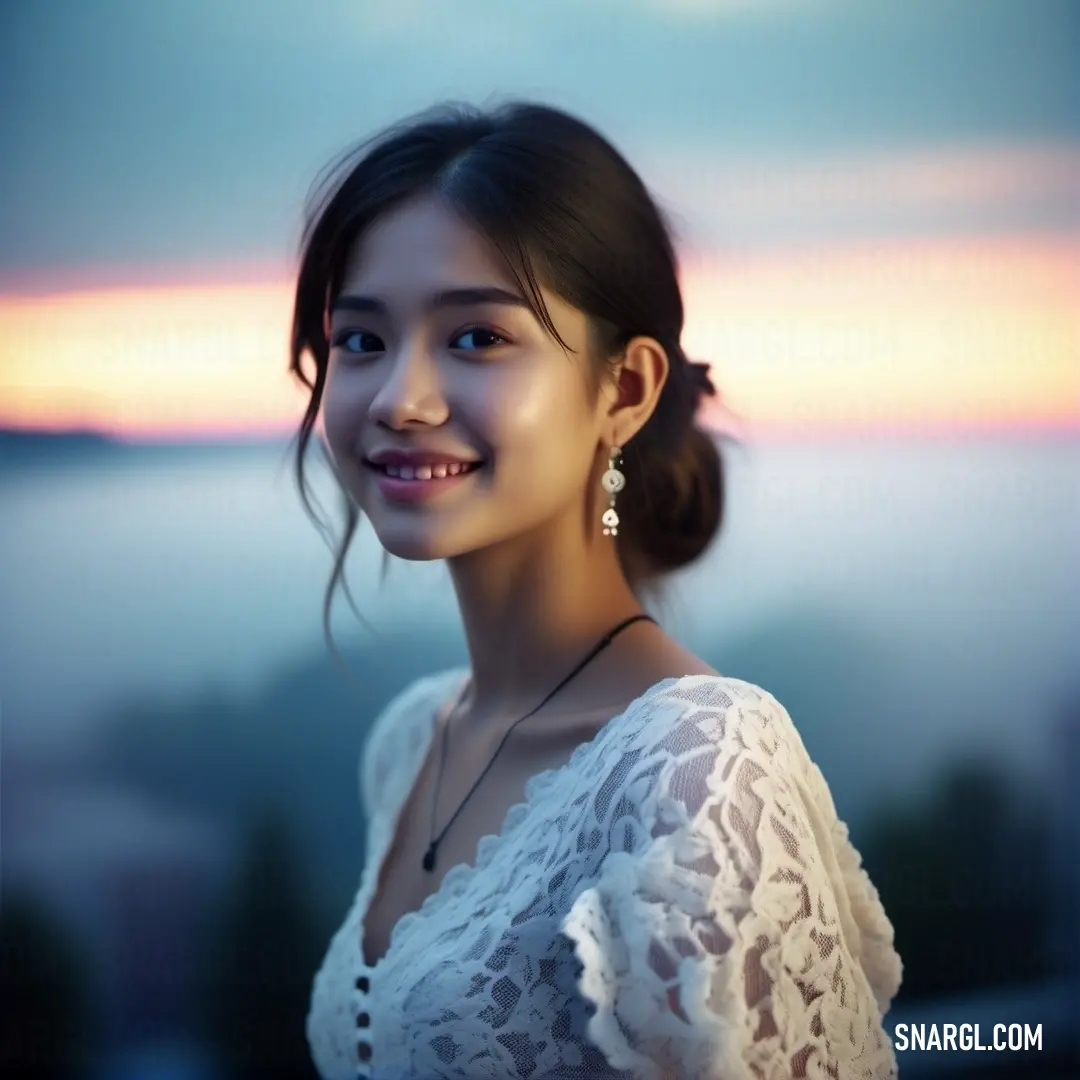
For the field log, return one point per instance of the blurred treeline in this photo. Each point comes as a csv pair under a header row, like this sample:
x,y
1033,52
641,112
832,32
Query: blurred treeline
x,y
966,874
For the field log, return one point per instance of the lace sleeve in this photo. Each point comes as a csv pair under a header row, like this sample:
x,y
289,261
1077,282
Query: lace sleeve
x,y
737,938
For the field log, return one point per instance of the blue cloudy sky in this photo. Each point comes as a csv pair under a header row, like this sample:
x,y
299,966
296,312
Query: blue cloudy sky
x,y
176,133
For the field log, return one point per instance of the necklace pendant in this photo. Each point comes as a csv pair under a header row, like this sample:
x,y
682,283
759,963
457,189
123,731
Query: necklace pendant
x,y
429,858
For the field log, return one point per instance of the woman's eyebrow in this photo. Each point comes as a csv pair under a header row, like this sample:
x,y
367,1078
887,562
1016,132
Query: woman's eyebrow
x,y
450,298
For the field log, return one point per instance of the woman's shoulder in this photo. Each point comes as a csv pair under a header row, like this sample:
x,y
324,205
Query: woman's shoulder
x,y
714,708
416,696
710,690
688,732
695,736
400,726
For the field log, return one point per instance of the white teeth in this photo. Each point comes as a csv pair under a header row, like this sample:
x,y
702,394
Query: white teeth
x,y
426,472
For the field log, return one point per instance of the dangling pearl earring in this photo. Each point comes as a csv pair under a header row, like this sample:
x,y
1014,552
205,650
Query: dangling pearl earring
x,y
612,482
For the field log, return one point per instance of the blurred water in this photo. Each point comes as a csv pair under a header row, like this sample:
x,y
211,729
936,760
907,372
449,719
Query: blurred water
x,y
954,563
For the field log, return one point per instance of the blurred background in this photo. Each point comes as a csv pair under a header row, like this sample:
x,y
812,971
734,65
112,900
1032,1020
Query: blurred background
x,y
878,207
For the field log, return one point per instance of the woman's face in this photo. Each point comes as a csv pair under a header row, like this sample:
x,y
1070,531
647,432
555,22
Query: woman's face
x,y
454,419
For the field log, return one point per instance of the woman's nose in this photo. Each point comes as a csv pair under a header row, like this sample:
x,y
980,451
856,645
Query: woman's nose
x,y
412,392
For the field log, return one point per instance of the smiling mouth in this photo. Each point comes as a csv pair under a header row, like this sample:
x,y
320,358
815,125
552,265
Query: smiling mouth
x,y
425,472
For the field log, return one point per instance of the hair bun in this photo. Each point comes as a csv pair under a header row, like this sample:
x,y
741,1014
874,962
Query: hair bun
x,y
700,379
673,505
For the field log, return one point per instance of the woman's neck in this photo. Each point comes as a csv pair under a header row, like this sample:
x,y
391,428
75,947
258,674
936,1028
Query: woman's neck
x,y
532,609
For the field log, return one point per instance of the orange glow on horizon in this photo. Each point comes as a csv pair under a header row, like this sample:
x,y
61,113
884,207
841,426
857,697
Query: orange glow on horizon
x,y
899,335
181,359
912,336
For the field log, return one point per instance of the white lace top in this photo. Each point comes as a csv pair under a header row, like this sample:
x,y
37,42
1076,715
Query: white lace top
x,y
678,901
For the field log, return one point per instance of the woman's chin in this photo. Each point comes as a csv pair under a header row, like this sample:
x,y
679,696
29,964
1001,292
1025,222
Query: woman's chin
x,y
416,545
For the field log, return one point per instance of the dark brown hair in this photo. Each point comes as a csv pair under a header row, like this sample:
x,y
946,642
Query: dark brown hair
x,y
567,211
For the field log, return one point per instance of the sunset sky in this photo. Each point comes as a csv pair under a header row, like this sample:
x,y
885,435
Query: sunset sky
x,y
877,204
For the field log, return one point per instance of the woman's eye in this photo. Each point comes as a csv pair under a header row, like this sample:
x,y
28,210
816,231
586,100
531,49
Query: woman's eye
x,y
362,342
480,339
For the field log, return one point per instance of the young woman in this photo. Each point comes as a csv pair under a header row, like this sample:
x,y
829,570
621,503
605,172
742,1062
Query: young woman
x,y
590,854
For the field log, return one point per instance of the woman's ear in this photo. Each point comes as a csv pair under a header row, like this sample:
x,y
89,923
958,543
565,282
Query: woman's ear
x,y
636,387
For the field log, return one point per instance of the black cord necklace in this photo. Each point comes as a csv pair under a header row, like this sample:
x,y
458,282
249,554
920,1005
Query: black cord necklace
x,y
599,647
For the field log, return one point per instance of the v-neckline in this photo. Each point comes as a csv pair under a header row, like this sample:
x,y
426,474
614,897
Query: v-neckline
x,y
465,870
